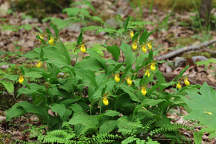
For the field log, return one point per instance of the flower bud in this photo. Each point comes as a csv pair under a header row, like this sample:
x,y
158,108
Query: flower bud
x,y
51,41
105,101
117,78
143,91
21,79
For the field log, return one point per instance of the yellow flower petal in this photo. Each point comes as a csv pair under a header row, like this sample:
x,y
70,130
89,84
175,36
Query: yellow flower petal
x,y
143,91
131,34
144,49
41,36
178,86
129,81
153,67
186,81
83,48
134,45
51,41
147,73
38,64
105,101
21,79
149,45
117,78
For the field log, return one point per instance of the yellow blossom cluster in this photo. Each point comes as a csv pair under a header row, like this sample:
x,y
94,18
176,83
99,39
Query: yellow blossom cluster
x,y
144,47
186,82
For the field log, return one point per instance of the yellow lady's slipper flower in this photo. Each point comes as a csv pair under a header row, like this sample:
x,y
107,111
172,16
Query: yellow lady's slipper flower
x,y
105,101
178,86
149,45
38,64
117,78
129,81
143,91
147,73
186,81
41,36
153,67
131,34
51,41
21,79
83,48
144,49
134,45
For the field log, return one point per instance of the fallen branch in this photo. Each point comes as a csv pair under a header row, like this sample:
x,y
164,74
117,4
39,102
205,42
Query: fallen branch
x,y
185,49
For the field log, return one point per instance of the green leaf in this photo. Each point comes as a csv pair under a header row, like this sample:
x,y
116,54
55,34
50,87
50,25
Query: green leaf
x,y
99,59
198,137
108,126
87,76
59,109
202,105
129,140
97,93
31,89
13,112
131,92
144,36
115,51
126,126
9,86
86,121
57,56
99,49
140,61
71,11
136,35
33,74
128,54
55,29
97,19
26,27
111,113
63,50
10,77
126,23
77,108
152,102
206,62
25,107
80,38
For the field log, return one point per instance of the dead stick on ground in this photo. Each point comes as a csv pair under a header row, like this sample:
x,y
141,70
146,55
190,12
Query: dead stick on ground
x,y
185,49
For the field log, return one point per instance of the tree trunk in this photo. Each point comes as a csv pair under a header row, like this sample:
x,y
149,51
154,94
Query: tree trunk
x,y
205,10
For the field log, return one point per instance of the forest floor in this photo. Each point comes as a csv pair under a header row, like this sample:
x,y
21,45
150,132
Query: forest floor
x,y
173,30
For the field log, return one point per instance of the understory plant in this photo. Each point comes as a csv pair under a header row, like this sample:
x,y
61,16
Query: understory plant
x,y
122,98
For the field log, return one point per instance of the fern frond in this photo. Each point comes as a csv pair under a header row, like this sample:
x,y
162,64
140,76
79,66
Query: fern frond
x,y
57,136
104,138
168,128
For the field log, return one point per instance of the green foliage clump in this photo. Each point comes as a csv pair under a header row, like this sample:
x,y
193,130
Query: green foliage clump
x,y
202,108
98,96
39,8
120,98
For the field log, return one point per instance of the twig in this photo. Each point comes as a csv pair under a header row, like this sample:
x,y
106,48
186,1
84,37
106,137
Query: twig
x,y
185,49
